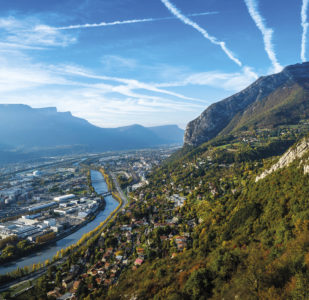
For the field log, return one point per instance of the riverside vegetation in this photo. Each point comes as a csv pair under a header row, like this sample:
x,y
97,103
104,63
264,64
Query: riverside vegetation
x,y
13,248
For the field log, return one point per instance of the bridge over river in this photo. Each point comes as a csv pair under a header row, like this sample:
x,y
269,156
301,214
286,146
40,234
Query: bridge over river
x,y
106,194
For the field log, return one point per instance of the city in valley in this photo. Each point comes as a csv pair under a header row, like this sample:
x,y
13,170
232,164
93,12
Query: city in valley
x,y
47,201
154,150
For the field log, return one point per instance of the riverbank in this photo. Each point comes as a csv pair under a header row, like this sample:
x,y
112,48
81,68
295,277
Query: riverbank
x,y
70,241
93,234
36,247
80,249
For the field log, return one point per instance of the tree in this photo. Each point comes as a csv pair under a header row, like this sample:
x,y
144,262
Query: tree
x,y
6,295
9,251
199,286
58,279
42,284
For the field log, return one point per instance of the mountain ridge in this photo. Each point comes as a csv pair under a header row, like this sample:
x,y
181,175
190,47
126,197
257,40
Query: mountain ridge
x,y
218,117
31,129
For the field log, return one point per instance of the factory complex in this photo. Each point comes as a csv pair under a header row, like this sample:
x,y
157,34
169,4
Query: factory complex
x,y
50,219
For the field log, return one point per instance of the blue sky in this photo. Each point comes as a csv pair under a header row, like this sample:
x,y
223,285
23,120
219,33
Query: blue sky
x,y
151,62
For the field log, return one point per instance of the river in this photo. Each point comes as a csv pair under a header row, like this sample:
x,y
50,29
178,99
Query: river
x,y
49,252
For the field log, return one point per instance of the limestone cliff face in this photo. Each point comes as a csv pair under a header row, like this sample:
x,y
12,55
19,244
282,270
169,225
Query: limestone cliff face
x,y
218,116
293,153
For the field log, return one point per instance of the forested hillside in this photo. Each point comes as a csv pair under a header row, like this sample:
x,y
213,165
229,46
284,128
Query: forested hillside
x,y
246,240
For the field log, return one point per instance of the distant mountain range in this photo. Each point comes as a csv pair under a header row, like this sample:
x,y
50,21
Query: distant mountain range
x,y
45,130
271,101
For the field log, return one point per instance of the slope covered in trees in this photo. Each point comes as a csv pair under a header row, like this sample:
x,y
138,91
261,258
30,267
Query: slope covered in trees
x,y
250,240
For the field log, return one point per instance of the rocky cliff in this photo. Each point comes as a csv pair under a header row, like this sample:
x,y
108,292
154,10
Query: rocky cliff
x,y
286,159
249,103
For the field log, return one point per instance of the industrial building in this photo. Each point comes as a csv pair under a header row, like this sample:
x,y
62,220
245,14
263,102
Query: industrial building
x,y
64,198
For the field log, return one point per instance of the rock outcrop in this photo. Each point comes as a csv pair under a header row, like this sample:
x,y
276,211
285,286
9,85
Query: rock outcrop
x,y
286,159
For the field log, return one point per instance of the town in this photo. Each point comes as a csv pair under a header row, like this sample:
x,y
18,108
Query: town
x,y
138,233
44,205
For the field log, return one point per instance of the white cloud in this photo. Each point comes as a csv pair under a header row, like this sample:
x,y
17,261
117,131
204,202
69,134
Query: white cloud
x,y
105,101
266,32
18,73
127,85
5,46
29,33
109,111
176,12
304,24
115,62
120,102
229,81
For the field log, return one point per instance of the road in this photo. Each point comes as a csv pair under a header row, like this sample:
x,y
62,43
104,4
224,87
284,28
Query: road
x,y
28,277
119,190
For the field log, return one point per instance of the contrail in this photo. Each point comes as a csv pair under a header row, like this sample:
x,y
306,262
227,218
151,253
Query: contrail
x,y
266,32
304,24
103,24
130,84
177,13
